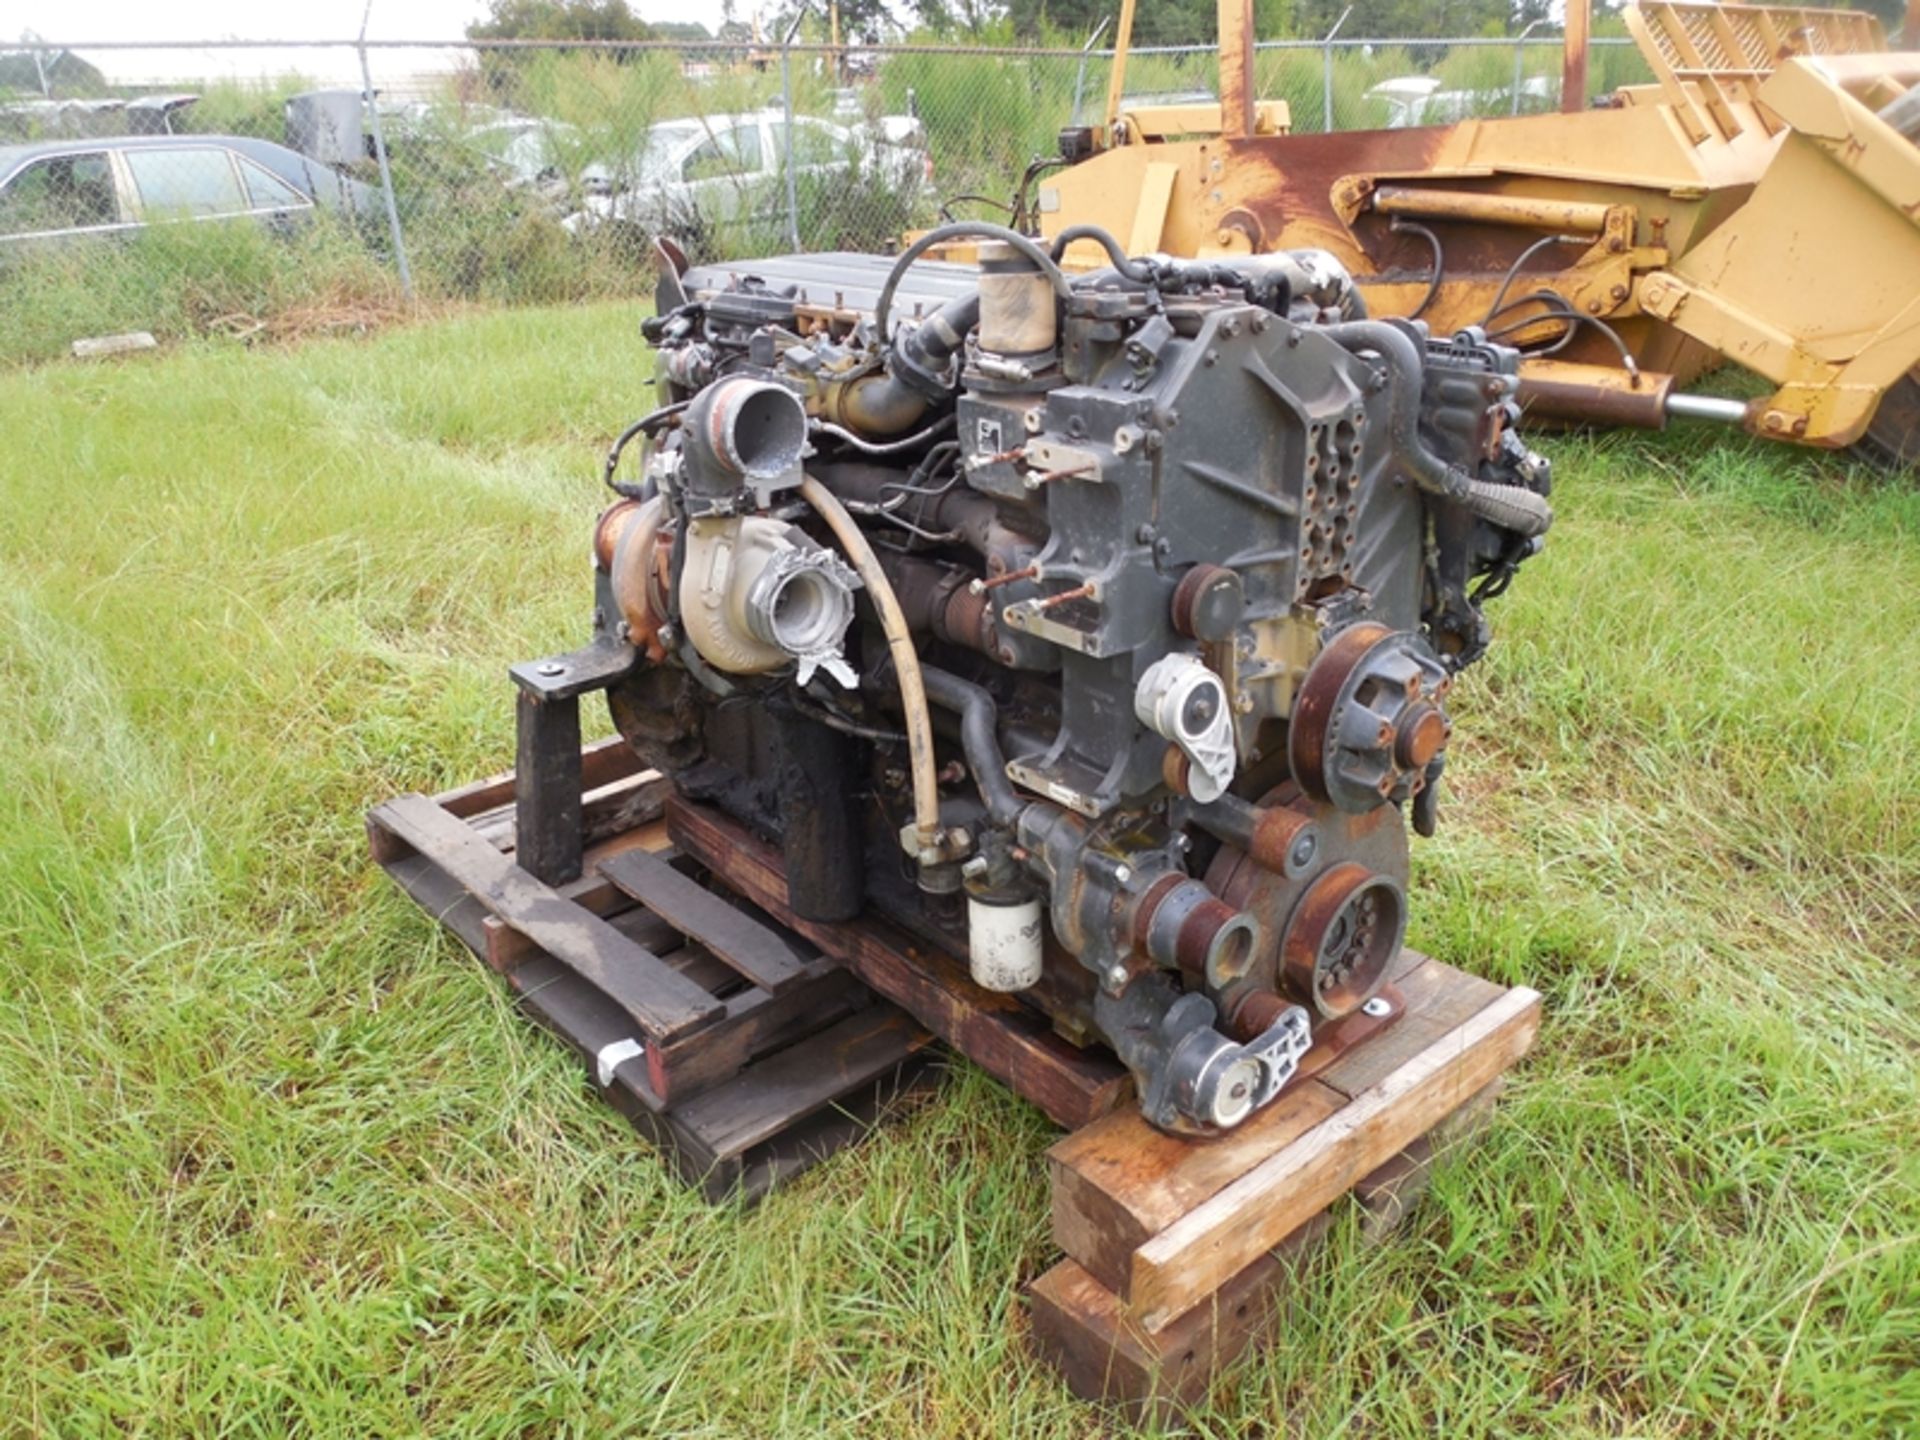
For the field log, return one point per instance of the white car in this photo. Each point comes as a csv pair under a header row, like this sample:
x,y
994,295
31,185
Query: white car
x,y
721,172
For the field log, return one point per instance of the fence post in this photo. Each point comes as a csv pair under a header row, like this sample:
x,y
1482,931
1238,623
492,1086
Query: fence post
x,y
786,100
1519,62
1080,75
1326,72
386,171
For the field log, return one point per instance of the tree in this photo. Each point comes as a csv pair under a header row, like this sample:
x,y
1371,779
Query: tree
x,y
1165,22
560,20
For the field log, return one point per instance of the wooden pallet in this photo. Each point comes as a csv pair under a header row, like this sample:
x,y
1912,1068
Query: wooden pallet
x,y
656,938
736,1046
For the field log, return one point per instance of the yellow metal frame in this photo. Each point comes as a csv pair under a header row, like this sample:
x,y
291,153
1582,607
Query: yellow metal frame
x,y
1752,206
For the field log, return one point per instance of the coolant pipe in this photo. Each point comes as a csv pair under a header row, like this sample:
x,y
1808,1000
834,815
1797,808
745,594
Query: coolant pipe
x,y
979,738
1507,505
906,660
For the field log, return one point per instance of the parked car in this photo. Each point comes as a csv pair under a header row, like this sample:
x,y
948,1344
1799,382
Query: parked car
x,y
1411,100
73,190
722,172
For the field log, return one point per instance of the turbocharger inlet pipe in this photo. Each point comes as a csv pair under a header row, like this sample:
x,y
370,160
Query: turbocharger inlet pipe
x,y
906,660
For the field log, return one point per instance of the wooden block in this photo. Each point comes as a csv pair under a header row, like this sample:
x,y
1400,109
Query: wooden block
x,y
1119,1182
1103,1354
1016,1045
761,954
664,1003
1438,998
1388,1196
1389,1193
1195,1255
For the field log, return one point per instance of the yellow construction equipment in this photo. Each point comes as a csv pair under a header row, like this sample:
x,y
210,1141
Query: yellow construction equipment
x,y
1760,204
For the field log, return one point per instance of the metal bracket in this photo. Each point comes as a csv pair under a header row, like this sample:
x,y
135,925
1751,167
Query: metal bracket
x,y
577,672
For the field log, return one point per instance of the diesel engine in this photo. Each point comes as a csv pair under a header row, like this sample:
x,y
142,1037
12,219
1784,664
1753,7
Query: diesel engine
x,y
1097,627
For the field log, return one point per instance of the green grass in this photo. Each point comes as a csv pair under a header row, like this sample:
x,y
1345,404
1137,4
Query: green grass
x,y
277,1159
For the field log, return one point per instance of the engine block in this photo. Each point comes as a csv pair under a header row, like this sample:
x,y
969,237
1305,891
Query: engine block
x,y
1097,627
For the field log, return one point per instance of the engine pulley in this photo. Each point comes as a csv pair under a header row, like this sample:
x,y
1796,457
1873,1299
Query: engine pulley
x,y
1368,721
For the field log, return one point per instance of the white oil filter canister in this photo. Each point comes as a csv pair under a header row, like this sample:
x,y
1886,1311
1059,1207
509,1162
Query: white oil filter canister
x,y
1003,943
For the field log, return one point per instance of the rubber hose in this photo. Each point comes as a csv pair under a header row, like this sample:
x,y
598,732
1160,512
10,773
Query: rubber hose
x,y
979,738
963,230
1510,507
1396,347
1505,505
906,660
1125,264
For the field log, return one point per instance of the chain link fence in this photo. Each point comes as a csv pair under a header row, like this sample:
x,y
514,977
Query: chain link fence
x,y
319,188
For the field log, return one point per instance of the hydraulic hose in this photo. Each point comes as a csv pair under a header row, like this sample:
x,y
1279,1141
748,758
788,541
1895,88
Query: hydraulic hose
x,y
1508,506
979,738
906,660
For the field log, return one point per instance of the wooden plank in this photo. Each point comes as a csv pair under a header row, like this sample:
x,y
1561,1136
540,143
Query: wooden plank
x,y
1119,1182
606,811
507,947
1438,999
443,898
664,1003
761,1102
601,763
830,1129
759,953
755,1024
1104,1354
996,1032
1200,1251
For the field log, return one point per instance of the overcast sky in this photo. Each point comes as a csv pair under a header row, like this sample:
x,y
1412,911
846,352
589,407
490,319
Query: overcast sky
x,y
83,22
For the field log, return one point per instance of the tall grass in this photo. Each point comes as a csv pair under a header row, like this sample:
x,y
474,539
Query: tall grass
x,y
193,279
276,1159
